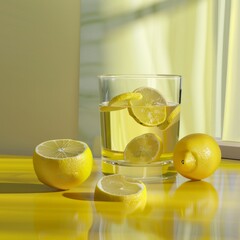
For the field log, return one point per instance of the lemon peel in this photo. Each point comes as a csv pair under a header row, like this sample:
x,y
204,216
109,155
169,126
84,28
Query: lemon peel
x,y
196,156
189,161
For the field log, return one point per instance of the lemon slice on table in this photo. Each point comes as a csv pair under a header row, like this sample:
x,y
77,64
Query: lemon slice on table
x,y
118,188
150,110
120,101
196,156
145,148
173,118
62,163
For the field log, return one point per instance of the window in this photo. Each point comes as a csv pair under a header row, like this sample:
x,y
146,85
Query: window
x,y
196,39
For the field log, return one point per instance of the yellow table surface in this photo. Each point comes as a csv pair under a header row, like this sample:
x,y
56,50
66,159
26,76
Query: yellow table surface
x,y
208,209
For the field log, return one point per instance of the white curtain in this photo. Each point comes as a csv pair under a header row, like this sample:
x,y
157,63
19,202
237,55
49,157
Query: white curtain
x,y
231,128
197,39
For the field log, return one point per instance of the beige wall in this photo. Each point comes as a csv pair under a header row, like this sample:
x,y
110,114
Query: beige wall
x,y
39,72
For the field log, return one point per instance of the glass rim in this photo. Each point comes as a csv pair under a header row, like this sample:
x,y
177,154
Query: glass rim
x,y
140,76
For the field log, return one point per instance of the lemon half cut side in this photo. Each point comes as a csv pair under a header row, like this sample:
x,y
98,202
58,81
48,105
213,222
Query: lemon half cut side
x,y
62,163
119,188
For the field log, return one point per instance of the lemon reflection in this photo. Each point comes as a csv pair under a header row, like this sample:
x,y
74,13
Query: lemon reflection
x,y
117,212
157,219
196,201
61,219
111,220
169,207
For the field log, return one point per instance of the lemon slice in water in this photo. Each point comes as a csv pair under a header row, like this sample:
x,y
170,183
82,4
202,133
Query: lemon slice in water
x,y
120,101
173,118
145,148
62,163
150,110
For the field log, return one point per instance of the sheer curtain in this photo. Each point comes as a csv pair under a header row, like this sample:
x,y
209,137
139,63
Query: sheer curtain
x,y
197,39
231,129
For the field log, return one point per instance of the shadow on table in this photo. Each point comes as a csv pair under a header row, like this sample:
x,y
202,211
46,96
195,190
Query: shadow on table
x,y
87,196
24,188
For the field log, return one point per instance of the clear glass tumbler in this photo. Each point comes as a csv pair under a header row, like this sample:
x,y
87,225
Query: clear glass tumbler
x,y
140,116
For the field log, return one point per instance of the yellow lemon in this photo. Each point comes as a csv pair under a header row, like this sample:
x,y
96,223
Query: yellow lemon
x,y
118,188
150,110
62,163
145,148
120,101
196,156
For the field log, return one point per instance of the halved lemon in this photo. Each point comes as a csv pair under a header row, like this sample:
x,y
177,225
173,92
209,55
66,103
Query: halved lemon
x,y
145,148
150,110
120,101
62,163
117,197
119,188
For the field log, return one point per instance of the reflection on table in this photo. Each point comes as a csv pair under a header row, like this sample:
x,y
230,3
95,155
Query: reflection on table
x,y
180,209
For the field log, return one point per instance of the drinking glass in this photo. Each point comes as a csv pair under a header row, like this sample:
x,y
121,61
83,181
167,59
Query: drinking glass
x,y
132,106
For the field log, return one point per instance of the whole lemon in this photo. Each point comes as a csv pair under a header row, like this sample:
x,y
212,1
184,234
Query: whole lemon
x,y
196,156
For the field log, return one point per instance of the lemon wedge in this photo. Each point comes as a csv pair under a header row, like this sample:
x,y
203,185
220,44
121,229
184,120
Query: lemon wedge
x,y
62,163
150,110
145,148
120,101
119,188
196,156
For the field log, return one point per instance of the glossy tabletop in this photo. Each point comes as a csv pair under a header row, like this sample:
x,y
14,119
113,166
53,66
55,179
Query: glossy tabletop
x,y
208,209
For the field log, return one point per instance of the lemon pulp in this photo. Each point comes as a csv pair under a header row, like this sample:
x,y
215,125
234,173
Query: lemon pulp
x,y
150,110
119,188
145,148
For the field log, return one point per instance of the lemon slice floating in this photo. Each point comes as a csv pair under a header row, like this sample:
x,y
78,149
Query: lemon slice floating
x,y
145,148
62,163
150,110
120,101
173,118
196,156
118,188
